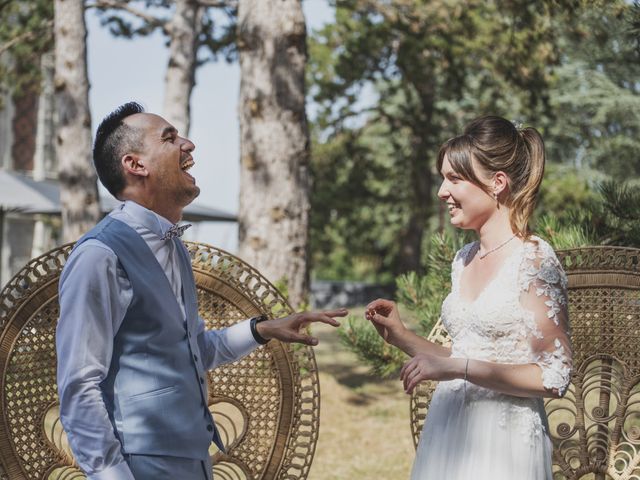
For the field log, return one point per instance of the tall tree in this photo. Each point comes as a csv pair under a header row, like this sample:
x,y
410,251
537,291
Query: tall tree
x,y
274,142
190,25
394,79
78,185
180,77
595,95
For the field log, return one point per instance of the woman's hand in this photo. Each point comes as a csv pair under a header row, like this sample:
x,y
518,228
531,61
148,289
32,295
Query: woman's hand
x,y
425,366
384,316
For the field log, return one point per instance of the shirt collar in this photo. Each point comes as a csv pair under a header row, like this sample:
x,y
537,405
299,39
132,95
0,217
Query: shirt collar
x,y
147,218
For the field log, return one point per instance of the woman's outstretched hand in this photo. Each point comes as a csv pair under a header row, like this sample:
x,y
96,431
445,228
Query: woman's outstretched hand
x,y
384,316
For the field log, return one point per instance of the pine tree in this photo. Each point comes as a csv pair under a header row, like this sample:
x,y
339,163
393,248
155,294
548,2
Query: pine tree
x,y
421,294
393,80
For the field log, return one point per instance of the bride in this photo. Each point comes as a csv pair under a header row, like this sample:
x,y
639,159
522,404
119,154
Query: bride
x,y
506,315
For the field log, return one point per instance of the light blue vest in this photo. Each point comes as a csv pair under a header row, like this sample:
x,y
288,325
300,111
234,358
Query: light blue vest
x,y
156,390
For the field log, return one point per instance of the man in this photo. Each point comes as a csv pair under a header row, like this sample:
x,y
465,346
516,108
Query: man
x,y
132,351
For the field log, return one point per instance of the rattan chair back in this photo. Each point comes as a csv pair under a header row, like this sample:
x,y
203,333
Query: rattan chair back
x,y
595,428
265,405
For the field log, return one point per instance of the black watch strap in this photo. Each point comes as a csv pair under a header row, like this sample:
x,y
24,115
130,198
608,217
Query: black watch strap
x,y
254,331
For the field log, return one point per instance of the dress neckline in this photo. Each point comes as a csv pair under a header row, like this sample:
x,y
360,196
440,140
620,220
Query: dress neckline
x,y
473,250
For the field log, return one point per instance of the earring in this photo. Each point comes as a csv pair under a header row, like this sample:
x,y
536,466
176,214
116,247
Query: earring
x,y
495,196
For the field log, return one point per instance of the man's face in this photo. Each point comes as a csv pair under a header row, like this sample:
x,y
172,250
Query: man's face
x,y
167,157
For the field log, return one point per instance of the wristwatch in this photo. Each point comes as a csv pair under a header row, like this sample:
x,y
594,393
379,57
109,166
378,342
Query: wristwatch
x,y
254,331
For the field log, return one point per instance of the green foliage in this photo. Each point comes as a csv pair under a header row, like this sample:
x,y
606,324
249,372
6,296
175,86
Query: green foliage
x,y
564,234
217,27
392,80
424,294
354,220
128,25
26,32
622,214
566,188
612,218
595,96
365,342
421,294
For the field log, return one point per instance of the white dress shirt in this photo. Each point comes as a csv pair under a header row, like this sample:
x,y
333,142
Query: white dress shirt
x,y
95,294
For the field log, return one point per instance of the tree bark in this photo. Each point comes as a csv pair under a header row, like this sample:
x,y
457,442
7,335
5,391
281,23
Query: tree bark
x,y
412,235
274,142
183,30
78,187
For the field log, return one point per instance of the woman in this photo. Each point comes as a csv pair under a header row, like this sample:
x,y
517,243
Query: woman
x,y
506,315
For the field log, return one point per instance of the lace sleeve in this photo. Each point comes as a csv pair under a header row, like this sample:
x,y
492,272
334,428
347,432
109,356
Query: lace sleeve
x,y
543,286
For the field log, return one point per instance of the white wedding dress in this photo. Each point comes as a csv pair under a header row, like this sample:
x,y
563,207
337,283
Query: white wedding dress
x,y
472,433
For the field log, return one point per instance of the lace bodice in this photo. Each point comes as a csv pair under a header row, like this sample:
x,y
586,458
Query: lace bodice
x,y
519,317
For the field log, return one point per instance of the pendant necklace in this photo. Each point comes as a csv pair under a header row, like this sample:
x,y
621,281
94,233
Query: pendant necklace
x,y
482,255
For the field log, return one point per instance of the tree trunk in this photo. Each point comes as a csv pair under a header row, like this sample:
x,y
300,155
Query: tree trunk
x,y
180,78
274,142
78,188
422,150
412,235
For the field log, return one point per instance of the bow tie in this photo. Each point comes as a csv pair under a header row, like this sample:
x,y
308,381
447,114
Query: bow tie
x,y
175,231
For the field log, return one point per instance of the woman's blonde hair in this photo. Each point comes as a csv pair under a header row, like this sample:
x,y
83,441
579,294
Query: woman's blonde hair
x,y
496,145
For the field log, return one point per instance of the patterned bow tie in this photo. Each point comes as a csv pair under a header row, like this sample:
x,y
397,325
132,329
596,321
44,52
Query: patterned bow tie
x,y
175,231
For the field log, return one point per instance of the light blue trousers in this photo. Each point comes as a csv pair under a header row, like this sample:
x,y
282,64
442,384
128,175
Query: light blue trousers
x,y
153,467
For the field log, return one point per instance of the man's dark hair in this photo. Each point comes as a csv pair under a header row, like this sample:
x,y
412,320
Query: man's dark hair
x,y
114,138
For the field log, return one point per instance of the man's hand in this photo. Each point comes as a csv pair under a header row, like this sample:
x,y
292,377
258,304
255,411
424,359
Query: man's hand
x,y
291,328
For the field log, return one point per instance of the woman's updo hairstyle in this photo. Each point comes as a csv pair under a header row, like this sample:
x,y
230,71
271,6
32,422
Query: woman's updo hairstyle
x,y
495,144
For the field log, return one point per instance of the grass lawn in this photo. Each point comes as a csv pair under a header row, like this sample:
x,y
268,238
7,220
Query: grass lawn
x,y
364,421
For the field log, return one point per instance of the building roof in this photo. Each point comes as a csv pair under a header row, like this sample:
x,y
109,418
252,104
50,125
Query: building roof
x,y
21,193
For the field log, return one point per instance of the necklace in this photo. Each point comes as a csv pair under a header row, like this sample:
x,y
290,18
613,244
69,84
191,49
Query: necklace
x,y
482,255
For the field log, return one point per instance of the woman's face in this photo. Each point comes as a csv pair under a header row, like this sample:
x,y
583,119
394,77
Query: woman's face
x,y
469,205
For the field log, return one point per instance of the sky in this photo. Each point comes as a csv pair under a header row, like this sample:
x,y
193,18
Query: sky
x,y
122,70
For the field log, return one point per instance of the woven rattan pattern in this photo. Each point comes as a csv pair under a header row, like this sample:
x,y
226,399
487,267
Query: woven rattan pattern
x,y
595,428
266,405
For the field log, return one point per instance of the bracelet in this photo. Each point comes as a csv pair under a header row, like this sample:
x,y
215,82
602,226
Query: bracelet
x,y
254,331
466,371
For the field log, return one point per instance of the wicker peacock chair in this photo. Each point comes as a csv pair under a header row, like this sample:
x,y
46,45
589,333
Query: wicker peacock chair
x,y
266,405
595,428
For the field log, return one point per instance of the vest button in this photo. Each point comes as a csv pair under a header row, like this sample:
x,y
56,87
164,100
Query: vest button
x,y
195,357
201,380
210,428
189,334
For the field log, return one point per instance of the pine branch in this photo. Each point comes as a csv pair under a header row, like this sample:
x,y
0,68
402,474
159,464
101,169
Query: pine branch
x,y
26,36
621,200
218,3
361,338
124,6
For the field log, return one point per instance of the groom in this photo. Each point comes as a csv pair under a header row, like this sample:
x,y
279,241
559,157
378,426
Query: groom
x,y
132,350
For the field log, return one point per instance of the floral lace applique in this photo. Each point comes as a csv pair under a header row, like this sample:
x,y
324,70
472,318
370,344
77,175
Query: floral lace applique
x,y
542,268
523,415
550,279
556,370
